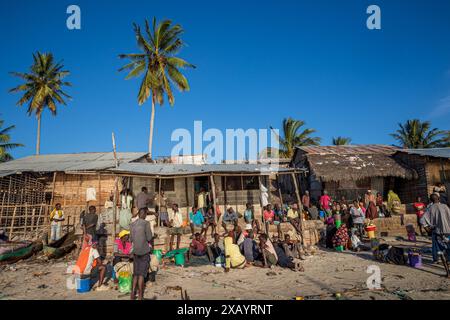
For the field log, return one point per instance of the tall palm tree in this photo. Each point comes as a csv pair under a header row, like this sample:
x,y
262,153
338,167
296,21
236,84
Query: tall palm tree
x,y
445,141
341,141
159,63
293,138
42,88
5,143
414,134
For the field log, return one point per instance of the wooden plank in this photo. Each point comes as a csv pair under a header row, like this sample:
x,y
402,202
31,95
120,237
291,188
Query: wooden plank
x,y
279,190
38,221
299,202
53,188
33,214
213,189
225,193
159,201
26,220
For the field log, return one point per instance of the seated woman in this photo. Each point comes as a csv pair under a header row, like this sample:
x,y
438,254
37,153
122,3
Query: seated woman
x,y
197,247
122,253
280,213
269,217
233,257
196,219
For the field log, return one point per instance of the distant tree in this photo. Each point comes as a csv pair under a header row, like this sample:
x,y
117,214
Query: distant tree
x,y
5,143
414,134
293,137
341,141
42,88
159,62
445,141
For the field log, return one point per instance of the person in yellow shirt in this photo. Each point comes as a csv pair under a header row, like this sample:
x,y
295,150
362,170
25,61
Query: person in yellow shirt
x,y
56,219
293,212
233,257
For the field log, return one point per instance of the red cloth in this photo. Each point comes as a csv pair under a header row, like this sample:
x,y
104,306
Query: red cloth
x,y
372,212
121,248
420,208
198,246
269,215
325,201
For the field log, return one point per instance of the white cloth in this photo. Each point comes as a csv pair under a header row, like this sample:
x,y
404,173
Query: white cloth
x,y
152,220
91,194
264,195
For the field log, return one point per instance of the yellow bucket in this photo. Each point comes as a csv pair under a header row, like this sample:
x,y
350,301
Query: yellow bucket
x,y
371,231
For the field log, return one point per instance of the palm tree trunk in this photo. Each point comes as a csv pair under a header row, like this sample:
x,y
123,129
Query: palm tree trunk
x,y
152,122
38,139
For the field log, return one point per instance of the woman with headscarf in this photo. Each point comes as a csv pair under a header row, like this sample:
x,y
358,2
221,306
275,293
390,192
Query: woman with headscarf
x,y
372,211
233,257
393,202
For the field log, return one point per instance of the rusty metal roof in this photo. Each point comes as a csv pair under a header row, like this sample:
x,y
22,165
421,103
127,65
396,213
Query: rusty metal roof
x,y
350,149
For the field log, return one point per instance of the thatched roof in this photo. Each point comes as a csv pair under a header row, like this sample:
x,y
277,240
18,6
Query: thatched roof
x,y
335,163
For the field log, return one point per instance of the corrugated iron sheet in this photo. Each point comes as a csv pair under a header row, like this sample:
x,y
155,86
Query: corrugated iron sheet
x,y
434,152
350,149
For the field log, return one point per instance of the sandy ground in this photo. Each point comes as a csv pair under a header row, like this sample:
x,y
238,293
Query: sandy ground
x,y
326,273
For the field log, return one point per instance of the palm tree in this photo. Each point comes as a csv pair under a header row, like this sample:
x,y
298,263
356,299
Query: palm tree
x,y
5,143
293,138
445,141
158,61
341,141
414,134
42,88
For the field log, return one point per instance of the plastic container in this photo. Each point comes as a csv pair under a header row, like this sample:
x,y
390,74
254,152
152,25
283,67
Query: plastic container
x,y
415,260
179,259
340,248
338,223
371,231
158,254
83,285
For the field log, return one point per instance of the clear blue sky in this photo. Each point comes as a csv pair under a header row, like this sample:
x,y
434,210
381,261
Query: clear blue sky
x,y
258,62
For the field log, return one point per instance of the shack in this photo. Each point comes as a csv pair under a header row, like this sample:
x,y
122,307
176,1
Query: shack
x,y
350,170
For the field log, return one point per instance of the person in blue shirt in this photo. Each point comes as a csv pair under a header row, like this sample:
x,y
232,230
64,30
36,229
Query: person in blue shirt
x,y
249,217
196,219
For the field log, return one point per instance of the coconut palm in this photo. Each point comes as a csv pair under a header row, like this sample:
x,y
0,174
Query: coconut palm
x,y
292,137
5,143
414,134
42,88
159,63
341,141
445,141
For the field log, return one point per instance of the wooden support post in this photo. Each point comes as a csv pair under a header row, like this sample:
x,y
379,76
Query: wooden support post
x,y
33,222
1,212
280,194
261,204
225,193
38,221
12,223
299,201
213,189
26,221
159,201
187,196
99,193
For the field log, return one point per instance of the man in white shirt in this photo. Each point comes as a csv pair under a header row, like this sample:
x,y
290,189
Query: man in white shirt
x,y
176,226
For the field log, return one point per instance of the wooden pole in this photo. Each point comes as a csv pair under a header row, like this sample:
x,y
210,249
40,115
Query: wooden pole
x,y
279,190
159,201
12,223
26,221
38,221
225,193
299,201
213,189
116,187
261,205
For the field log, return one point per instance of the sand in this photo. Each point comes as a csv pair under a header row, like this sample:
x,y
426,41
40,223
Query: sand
x,y
326,273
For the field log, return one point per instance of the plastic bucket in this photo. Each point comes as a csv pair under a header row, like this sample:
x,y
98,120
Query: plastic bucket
x,y
415,260
371,231
340,248
158,254
179,259
83,285
338,223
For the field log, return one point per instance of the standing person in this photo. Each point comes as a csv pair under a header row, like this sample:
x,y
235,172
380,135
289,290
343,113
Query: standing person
x,y
143,199
419,208
437,217
249,217
202,203
175,226
56,218
210,222
325,201
196,219
379,203
140,237
357,217
372,212
89,225
161,208
306,200
230,217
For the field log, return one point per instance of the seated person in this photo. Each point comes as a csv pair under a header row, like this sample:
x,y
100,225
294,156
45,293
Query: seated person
x,y
197,247
216,250
293,216
89,265
283,260
196,219
233,256
249,217
210,221
280,214
291,248
249,247
122,247
267,255
313,212
230,217
241,235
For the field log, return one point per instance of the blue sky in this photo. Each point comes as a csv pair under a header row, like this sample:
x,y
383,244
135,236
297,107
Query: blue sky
x,y
257,62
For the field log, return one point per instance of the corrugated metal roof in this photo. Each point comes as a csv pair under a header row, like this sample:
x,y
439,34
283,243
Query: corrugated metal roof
x,y
190,169
350,149
434,152
68,162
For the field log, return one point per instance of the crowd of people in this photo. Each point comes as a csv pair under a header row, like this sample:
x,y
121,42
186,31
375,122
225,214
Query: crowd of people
x,y
233,247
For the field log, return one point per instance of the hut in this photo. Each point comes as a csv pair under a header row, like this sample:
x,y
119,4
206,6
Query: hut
x,y
432,167
350,170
